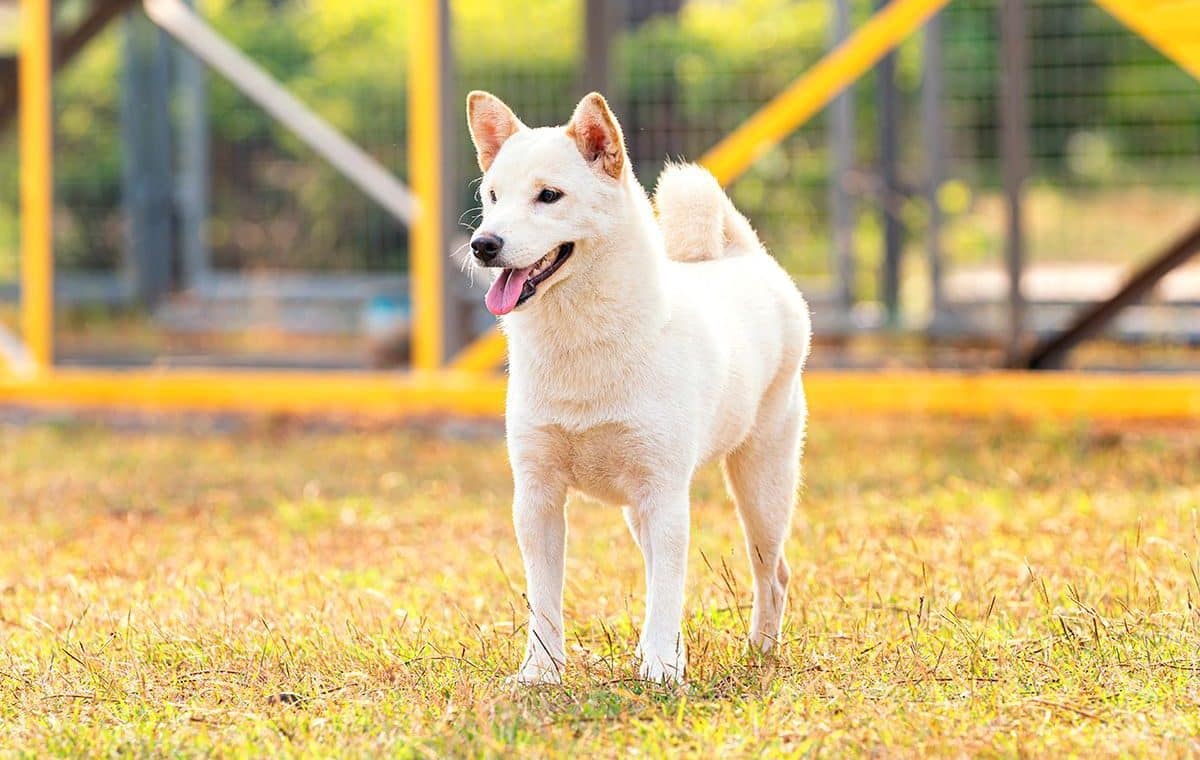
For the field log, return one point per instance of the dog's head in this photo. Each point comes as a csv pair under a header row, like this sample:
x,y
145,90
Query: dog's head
x,y
544,192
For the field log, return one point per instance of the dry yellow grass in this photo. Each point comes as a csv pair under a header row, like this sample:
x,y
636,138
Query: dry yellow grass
x,y
960,588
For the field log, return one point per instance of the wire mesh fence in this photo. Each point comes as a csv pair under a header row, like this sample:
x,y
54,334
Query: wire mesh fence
x,y
9,190
10,237
9,244
301,255
274,204
1113,133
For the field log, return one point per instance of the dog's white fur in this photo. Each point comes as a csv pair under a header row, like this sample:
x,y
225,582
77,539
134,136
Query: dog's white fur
x,y
660,344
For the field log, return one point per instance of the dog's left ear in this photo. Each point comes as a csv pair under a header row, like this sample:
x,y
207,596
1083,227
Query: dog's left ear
x,y
597,135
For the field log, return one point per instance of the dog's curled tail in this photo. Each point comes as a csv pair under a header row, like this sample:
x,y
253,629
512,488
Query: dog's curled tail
x,y
697,219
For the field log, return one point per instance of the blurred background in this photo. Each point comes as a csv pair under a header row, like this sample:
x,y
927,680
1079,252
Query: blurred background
x,y
192,229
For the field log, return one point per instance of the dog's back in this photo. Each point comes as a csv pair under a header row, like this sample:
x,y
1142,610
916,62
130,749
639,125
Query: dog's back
x,y
698,221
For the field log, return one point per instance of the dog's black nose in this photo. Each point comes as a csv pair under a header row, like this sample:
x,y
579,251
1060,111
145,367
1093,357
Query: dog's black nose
x,y
486,246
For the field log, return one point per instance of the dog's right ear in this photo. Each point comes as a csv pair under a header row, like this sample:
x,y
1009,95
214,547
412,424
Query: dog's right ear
x,y
491,123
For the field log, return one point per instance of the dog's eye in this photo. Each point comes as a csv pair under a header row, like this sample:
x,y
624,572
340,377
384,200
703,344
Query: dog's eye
x,y
549,195
492,195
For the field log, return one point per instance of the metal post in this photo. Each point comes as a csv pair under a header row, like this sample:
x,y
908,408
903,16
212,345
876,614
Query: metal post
x,y
934,133
147,187
841,148
652,125
1014,155
425,150
462,304
37,182
888,97
192,181
601,21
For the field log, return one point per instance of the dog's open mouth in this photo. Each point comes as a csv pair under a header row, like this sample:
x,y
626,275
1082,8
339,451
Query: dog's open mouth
x,y
516,286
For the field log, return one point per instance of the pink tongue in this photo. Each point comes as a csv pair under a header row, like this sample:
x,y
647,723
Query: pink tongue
x,y
502,297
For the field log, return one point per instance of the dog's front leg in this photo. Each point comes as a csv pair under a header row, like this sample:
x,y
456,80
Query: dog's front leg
x,y
665,529
541,526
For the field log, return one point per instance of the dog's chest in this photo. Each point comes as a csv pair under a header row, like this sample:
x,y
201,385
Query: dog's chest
x,y
607,462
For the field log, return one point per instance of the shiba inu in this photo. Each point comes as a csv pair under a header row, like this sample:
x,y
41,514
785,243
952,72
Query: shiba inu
x,y
645,339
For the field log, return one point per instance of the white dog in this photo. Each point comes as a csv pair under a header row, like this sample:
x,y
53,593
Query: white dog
x,y
639,349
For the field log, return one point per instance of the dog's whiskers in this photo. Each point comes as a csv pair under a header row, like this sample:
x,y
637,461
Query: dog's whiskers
x,y
466,262
478,211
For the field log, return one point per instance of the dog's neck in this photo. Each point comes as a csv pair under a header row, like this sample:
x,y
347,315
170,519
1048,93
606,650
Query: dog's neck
x,y
620,299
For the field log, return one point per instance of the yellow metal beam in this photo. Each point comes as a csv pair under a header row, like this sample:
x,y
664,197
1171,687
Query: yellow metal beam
x,y
425,136
485,354
315,393
817,86
1171,27
1030,395
1049,395
37,183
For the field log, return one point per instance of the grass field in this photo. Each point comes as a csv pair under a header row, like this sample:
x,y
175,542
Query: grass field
x,y
959,588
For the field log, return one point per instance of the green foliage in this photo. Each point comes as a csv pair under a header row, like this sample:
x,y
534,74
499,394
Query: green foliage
x,y
87,167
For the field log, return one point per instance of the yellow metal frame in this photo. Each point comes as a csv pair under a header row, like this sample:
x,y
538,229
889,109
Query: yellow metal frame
x,y
803,98
362,394
469,385
1014,394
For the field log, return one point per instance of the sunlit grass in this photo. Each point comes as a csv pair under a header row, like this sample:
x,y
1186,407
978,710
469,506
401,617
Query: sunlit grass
x,y
959,588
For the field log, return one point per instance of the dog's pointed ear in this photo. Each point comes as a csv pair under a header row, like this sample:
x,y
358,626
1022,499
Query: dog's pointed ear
x,y
491,122
597,135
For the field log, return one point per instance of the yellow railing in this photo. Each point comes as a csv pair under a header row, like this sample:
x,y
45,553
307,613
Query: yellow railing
x,y
811,91
1023,395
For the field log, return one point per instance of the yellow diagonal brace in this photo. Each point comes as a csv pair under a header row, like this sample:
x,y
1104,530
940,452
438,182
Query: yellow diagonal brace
x,y
1171,27
487,352
816,87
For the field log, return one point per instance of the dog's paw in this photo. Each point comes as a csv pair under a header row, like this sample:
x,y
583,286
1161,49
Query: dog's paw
x,y
536,674
666,669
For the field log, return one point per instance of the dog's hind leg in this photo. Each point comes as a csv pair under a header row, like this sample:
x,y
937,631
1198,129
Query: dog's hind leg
x,y
763,475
